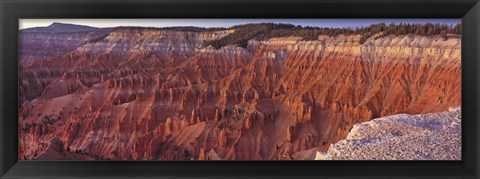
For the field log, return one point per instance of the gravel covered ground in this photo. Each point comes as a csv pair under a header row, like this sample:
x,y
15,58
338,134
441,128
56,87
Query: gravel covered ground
x,y
433,136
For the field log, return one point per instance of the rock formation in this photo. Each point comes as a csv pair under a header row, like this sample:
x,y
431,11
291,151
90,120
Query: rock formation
x,y
432,136
153,94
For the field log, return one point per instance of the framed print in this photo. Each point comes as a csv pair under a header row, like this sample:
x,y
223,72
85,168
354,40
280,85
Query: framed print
x,y
240,89
217,88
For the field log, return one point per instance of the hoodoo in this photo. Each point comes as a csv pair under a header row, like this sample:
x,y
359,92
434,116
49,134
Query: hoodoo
x,y
181,94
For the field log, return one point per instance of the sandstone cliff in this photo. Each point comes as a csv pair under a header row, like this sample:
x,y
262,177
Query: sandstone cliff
x,y
155,94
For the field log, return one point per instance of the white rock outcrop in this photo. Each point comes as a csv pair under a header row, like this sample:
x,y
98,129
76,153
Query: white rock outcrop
x,y
433,136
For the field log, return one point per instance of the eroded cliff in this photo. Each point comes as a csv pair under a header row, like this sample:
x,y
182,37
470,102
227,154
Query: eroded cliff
x,y
155,94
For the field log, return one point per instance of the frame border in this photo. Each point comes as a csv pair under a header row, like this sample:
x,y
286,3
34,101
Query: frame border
x,y
11,11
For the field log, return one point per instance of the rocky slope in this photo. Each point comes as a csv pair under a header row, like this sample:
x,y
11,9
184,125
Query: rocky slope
x,y
432,136
148,94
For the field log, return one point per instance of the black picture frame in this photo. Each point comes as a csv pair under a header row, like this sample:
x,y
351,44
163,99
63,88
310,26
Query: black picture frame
x,y
13,10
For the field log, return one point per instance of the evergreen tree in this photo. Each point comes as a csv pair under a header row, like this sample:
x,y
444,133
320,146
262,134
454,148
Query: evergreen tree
x,y
362,40
444,34
264,31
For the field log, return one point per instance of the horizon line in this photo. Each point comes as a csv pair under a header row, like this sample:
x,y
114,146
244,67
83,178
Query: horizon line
x,y
224,23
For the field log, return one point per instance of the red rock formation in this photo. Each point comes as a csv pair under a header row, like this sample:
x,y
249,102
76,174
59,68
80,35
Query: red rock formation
x,y
152,94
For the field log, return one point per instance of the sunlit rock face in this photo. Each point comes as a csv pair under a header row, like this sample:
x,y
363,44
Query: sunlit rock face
x,y
149,94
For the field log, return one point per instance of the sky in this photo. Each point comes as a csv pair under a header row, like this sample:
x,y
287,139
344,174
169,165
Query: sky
x,y
333,23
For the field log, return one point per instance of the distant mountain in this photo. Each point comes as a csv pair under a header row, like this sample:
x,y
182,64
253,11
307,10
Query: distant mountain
x,y
61,27
40,43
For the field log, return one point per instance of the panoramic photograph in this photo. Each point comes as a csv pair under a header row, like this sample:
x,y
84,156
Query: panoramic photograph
x,y
239,89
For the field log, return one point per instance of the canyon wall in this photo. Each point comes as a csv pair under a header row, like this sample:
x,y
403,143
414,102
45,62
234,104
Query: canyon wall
x,y
146,94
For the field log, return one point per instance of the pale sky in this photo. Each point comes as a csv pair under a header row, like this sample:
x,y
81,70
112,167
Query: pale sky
x,y
333,23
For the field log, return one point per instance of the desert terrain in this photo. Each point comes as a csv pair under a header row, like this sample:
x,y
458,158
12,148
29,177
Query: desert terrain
x,y
134,93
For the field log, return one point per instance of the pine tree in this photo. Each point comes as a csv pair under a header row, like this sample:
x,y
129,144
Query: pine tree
x,y
362,40
444,34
